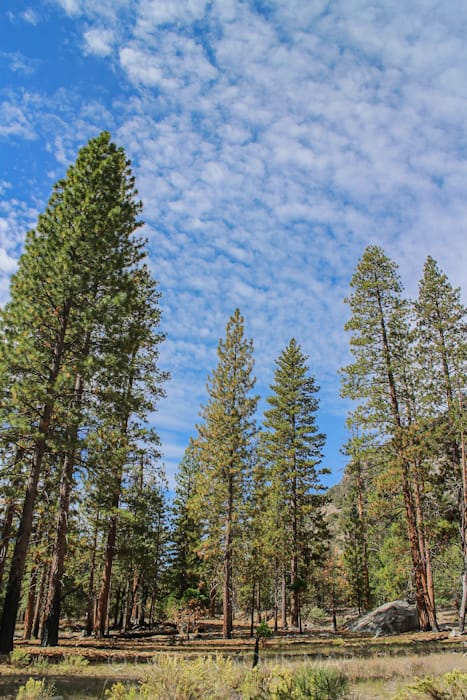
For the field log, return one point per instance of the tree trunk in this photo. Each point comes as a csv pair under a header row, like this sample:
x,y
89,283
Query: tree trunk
x,y
144,600
117,606
134,597
365,589
6,534
91,605
427,618
294,603
10,510
294,594
54,592
49,636
13,591
31,603
276,603
212,599
109,552
252,609
227,583
100,623
463,461
40,602
256,652
284,602
427,571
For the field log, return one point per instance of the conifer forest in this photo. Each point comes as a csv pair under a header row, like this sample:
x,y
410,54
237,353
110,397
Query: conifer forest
x,y
90,531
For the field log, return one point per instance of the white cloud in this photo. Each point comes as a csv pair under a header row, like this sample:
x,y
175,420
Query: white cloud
x,y
18,63
7,263
14,121
99,41
31,16
270,147
71,7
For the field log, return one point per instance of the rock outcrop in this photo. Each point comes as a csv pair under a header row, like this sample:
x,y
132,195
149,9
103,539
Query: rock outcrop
x,y
391,618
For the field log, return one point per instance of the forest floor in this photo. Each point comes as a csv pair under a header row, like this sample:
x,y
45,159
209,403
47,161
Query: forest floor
x,y
84,668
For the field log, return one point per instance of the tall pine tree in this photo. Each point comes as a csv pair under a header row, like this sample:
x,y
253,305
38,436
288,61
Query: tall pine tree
x,y
224,451
441,335
381,379
70,292
292,448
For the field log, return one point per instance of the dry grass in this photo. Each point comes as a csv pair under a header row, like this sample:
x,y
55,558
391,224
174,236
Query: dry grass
x,y
381,678
376,668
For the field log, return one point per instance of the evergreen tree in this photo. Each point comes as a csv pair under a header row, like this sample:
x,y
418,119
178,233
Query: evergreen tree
x,y
354,520
381,379
224,451
291,446
186,529
442,375
68,296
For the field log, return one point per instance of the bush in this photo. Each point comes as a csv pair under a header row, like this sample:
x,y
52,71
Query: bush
x,y
41,663
312,615
187,612
319,684
263,683
35,690
120,692
20,658
177,679
449,686
74,662
218,678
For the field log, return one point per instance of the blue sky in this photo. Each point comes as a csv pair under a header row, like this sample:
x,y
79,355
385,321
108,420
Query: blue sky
x,y
271,142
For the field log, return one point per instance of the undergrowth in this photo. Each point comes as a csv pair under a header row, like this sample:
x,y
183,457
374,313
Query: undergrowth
x,y
218,678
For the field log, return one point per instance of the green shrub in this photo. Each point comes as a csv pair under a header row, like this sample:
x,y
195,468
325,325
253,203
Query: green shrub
x,y
265,683
74,662
20,658
449,686
218,678
35,690
120,692
319,684
313,615
41,663
177,679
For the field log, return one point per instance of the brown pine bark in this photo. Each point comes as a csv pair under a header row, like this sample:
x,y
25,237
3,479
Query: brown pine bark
x,y
13,591
50,630
49,635
100,623
91,604
463,461
365,593
10,510
425,553
31,603
427,616
227,621
294,596
102,607
6,535
40,602
284,602
212,599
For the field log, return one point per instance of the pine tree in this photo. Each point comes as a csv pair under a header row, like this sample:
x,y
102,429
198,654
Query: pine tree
x,y
292,449
354,520
381,379
186,529
224,452
71,288
442,359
